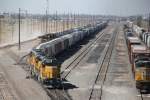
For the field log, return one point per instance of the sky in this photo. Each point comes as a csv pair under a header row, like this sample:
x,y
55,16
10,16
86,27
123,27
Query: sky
x,y
103,7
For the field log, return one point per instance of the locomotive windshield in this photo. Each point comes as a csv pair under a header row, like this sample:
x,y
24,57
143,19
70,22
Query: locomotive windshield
x,y
145,64
50,62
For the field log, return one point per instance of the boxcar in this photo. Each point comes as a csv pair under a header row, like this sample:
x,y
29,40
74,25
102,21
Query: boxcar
x,y
132,41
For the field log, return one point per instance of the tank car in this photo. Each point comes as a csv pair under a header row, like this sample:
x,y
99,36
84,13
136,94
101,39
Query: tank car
x,y
148,41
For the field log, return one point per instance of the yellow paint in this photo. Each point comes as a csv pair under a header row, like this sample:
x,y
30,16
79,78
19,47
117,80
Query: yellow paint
x,y
138,75
46,72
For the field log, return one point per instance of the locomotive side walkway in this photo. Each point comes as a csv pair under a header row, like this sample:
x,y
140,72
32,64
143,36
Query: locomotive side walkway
x,y
119,83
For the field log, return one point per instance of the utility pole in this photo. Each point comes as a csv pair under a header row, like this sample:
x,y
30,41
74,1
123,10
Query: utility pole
x,y
0,30
64,22
47,2
31,25
19,31
26,21
149,23
56,22
67,21
71,19
139,20
78,20
12,27
74,18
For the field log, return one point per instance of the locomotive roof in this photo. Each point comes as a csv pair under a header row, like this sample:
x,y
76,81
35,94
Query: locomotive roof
x,y
49,42
147,33
140,49
142,58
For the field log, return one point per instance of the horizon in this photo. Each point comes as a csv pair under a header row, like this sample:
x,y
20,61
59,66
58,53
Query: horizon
x,y
93,7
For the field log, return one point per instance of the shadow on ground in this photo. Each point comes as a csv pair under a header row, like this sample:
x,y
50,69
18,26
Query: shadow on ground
x,y
61,57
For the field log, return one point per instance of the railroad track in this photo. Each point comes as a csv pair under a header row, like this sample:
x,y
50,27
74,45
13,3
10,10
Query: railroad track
x,y
56,94
96,93
80,56
144,94
141,95
5,90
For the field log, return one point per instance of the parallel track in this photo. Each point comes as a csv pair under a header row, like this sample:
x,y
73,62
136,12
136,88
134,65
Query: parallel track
x,y
80,56
5,91
141,95
144,94
56,94
103,66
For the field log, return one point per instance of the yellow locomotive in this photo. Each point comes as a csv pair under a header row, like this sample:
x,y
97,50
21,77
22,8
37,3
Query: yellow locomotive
x,y
44,69
142,65
140,58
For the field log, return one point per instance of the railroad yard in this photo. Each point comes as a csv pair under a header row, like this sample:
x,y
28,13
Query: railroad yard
x,y
74,50
95,69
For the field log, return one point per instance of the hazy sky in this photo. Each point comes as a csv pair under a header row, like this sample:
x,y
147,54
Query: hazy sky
x,y
111,7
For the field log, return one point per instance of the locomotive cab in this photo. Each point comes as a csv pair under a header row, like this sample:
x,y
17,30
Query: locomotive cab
x,y
50,69
35,56
50,73
44,69
142,71
140,56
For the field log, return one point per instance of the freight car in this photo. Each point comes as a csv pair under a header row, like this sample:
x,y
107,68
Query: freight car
x,y
145,38
132,41
41,60
148,42
53,35
49,36
139,56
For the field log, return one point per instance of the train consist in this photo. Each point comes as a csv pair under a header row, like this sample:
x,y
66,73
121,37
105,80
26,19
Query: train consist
x,y
50,36
139,54
41,60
